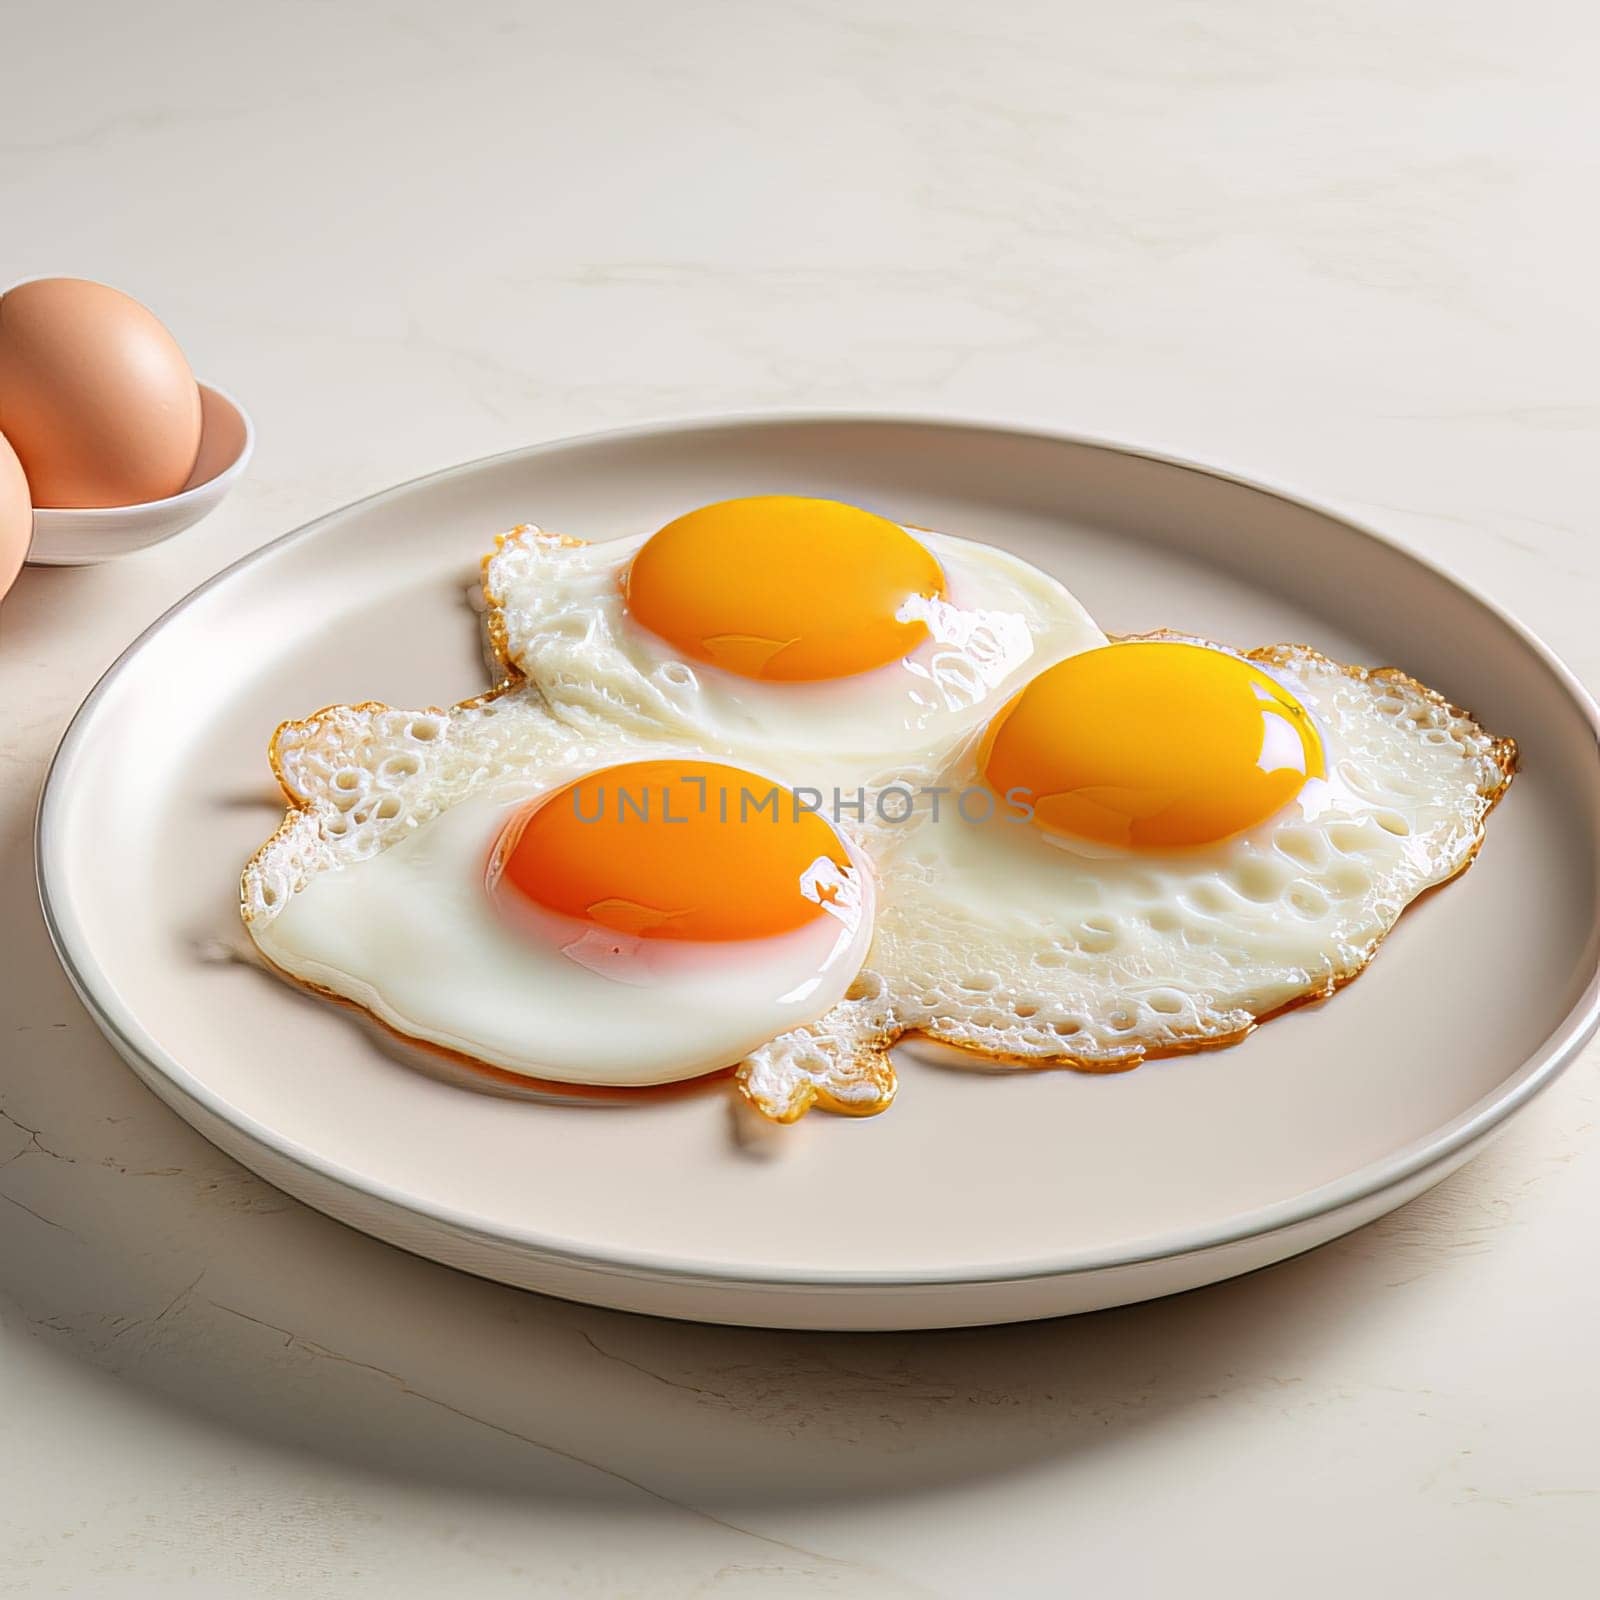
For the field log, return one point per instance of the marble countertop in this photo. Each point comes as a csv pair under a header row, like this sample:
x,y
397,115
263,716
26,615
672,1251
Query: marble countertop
x,y
1348,248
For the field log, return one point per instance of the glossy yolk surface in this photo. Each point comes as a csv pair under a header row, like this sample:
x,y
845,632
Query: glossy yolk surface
x,y
1152,744
783,588
672,850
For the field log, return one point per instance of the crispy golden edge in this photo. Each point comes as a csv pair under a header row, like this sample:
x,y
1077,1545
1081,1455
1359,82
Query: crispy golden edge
x,y
1503,752
870,1061
495,619
511,678
296,806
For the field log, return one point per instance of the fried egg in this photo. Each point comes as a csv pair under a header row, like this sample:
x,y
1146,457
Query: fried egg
x,y
486,884
621,868
1153,847
825,643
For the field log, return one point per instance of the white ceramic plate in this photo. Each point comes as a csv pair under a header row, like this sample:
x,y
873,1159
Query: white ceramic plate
x,y
976,1198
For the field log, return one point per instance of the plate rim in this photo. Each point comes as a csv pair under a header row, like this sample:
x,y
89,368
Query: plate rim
x,y
142,1051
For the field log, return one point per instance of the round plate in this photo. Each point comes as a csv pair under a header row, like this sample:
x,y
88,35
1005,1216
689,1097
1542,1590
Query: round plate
x,y
977,1198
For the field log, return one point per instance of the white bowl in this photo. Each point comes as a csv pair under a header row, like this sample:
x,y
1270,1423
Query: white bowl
x,y
66,536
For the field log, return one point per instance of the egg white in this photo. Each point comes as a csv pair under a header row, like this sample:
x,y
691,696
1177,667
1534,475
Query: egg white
x,y
1002,939
375,891
557,608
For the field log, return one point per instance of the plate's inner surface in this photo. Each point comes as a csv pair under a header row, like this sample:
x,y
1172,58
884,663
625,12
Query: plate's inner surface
x,y
171,793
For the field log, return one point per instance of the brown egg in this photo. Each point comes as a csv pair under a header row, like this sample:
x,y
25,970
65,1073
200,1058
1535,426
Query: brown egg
x,y
95,397
16,516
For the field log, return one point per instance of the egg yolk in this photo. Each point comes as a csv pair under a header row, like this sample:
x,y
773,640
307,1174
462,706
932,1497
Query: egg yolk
x,y
1152,744
673,850
784,588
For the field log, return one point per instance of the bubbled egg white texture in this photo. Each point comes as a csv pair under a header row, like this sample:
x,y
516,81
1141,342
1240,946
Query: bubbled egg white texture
x,y
1002,939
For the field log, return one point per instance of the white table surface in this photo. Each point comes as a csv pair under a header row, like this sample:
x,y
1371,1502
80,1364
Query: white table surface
x,y
1350,247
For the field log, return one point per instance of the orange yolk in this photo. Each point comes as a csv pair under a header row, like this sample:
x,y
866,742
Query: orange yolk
x,y
784,588
673,850
1152,744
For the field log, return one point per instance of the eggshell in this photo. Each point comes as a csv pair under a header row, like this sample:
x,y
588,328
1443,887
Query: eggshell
x,y
16,516
95,396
